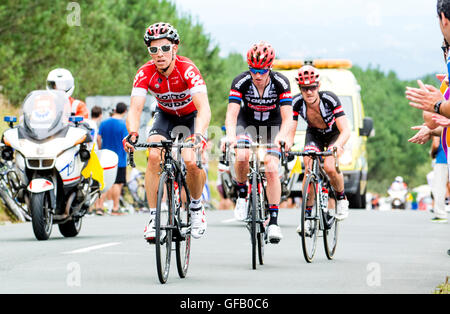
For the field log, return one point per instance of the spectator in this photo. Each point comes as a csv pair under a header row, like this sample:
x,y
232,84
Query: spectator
x,y
110,135
94,123
439,181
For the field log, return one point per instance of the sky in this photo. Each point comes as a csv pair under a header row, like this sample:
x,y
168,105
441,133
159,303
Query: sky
x,y
398,35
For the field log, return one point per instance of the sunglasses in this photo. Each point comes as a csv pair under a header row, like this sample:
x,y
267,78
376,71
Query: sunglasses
x,y
165,48
260,71
309,88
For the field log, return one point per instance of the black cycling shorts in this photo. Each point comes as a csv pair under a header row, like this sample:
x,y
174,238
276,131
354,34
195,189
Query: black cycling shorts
x,y
263,134
316,141
171,126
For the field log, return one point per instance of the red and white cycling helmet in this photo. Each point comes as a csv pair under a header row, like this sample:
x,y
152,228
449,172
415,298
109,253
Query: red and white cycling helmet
x,y
161,30
307,75
261,55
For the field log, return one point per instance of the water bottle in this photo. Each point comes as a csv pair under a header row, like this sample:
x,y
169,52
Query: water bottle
x,y
177,193
324,199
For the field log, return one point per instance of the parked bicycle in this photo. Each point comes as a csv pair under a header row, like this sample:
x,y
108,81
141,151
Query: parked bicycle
x,y
172,221
318,207
257,208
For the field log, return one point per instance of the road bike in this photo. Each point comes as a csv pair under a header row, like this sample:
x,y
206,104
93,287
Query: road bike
x,y
318,206
257,205
172,221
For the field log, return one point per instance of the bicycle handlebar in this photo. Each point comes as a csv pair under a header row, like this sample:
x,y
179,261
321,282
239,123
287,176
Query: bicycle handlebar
x,y
165,144
314,154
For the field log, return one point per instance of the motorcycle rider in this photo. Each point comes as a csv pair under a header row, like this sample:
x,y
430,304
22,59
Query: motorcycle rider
x,y
62,79
398,184
182,98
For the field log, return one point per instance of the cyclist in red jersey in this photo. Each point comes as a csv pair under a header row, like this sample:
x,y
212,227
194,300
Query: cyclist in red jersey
x,y
183,107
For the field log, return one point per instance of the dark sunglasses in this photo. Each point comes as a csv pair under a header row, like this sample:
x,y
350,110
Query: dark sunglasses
x,y
164,48
260,71
309,88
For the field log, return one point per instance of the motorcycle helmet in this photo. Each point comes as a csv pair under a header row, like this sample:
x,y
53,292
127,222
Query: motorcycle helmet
x,y
398,179
61,79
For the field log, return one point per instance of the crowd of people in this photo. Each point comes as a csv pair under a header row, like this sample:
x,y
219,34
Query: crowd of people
x,y
435,105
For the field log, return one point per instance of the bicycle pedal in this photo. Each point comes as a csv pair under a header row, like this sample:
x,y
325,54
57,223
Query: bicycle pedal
x,y
274,241
150,241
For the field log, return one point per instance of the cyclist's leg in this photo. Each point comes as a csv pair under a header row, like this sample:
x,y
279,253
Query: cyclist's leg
x,y
160,131
245,134
337,182
312,143
336,179
195,177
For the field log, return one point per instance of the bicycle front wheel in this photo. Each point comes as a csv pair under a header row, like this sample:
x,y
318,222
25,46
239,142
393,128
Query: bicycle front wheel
x,y
330,232
183,242
309,219
163,226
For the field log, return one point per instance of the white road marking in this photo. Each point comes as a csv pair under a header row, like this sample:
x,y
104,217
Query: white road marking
x,y
229,220
92,248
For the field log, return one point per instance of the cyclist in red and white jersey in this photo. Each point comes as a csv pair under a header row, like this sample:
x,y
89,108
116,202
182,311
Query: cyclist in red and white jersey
x,y
183,107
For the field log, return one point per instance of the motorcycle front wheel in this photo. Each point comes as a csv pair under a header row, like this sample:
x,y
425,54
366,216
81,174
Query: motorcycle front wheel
x,y
41,215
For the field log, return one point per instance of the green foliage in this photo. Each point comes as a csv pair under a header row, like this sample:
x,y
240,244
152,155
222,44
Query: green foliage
x,y
389,152
104,52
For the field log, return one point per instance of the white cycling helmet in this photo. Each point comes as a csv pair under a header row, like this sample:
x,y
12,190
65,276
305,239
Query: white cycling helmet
x,y
61,79
399,179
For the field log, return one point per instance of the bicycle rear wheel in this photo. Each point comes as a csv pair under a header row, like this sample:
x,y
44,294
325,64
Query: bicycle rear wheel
x,y
183,243
163,225
260,230
330,232
309,223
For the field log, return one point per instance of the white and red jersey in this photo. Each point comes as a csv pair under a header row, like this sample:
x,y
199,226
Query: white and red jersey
x,y
173,93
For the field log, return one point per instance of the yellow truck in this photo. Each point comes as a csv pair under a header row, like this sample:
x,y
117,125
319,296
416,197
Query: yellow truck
x,y
336,77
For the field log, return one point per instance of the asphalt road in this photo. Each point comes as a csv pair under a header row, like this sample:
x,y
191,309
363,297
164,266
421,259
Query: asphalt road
x,y
378,252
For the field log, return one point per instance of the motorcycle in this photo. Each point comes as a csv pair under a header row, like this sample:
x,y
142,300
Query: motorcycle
x,y
397,197
51,149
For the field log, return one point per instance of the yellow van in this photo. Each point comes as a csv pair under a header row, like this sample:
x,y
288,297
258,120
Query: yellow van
x,y
336,77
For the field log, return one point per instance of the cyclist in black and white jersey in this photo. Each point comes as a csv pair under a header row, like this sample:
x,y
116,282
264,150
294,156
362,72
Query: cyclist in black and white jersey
x,y
260,109
328,127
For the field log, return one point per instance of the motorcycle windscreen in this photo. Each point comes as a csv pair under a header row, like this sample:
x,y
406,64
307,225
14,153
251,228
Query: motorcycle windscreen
x,y
45,113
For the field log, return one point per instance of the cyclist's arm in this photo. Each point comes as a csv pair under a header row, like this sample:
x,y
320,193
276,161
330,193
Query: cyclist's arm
x,y
203,112
292,130
286,125
344,131
231,120
134,113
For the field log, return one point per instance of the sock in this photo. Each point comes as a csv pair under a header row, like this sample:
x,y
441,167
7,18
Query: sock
x,y
152,213
273,212
195,204
340,195
242,189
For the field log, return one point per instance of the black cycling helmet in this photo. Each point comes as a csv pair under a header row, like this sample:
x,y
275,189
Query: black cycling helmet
x,y
161,30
